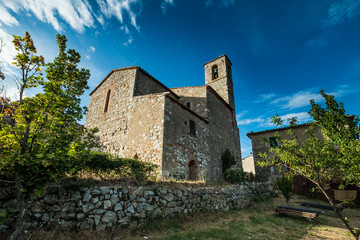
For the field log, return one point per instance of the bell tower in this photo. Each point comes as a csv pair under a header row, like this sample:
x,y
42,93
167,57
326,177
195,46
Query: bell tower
x,y
218,75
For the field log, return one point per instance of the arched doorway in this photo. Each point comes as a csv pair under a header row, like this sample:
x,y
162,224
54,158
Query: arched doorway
x,y
193,170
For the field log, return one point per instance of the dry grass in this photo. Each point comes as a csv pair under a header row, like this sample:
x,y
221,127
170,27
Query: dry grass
x,y
255,222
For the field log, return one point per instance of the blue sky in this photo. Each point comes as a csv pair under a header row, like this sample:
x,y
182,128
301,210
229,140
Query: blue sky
x,y
283,51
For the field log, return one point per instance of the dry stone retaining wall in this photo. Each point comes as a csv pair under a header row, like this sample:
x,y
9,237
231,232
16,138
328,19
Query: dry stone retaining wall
x,y
103,207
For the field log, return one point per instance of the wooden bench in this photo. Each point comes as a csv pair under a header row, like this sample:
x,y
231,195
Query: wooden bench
x,y
321,206
302,212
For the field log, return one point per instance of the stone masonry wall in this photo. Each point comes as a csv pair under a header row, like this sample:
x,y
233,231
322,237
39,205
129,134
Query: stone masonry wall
x,y
180,147
223,84
223,133
132,126
196,96
103,207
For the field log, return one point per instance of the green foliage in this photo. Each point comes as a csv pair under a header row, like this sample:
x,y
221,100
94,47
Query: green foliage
x,y
234,175
328,152
285,186
7,214
106,165
43,143
228,159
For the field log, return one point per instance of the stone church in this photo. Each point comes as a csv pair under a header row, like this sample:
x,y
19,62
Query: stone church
x,y
182,130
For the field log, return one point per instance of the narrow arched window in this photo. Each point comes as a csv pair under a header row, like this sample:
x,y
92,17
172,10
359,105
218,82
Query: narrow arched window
x,y
214,72
107,100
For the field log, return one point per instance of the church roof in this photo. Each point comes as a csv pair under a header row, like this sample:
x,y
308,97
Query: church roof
x,y
133,67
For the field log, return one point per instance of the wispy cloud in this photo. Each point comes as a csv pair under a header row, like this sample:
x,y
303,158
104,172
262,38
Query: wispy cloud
x,y
296,100
165,3
241,121
8,52
302,98
77,13
302,117
129,35
341,10
6,17
116,8
222,3
241,114
250,120
265,97
92,49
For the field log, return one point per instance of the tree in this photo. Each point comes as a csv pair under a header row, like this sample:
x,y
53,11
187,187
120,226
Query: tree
x,y
332,157
3,99
285,186
227,159
43,143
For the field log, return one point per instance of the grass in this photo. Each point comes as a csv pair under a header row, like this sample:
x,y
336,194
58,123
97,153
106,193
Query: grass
x,y
255,222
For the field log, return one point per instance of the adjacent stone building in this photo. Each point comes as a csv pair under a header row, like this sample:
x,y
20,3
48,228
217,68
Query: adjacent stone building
x,y
248,164
258,146
183,130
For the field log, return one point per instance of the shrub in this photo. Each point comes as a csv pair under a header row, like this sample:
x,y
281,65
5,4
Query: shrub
x,y
233,175
228,159
285,186
107,165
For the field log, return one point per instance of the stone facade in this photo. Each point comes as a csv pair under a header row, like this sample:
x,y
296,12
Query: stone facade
x,y
182,130
258,146
103,207
248,164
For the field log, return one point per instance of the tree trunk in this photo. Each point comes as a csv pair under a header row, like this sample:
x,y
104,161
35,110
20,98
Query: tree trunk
x,y
21,207
354,233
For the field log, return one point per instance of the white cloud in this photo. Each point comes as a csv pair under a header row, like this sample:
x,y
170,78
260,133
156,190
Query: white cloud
x,y
165,4
265,97
297,100
11,91
92,49
127,32
128,42
6,17
241,114
115,8
125,29
77,13
8,52
302,117
302,98
341,10
249,121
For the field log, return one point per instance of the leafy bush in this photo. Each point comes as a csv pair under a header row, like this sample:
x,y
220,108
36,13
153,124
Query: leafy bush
x,y
228,159
7,214
109,166
285,186
234,175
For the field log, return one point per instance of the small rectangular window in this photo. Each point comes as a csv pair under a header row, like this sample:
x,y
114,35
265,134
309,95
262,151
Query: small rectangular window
x,y
273,142
192,128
